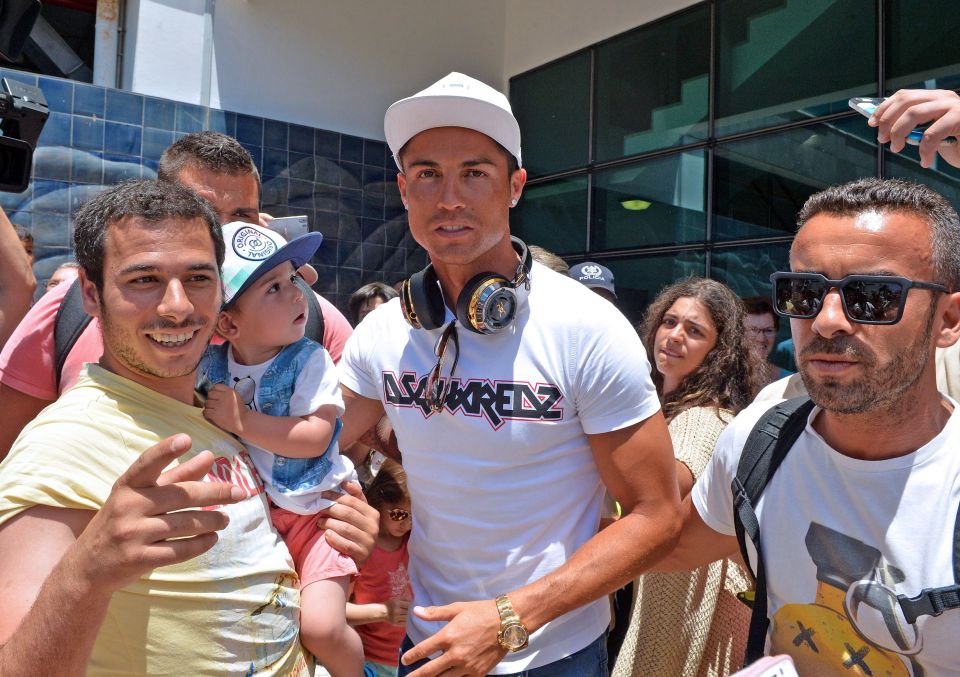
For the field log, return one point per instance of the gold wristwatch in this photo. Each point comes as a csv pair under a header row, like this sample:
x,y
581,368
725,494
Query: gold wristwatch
x,y
512,635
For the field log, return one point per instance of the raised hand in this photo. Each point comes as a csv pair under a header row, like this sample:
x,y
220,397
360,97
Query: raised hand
x,y
153,518
906,109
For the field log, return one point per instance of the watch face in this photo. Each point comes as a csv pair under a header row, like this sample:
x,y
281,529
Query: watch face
x,y
514,637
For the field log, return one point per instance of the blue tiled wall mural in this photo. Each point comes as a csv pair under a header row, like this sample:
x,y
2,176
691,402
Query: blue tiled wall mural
x,y
96,137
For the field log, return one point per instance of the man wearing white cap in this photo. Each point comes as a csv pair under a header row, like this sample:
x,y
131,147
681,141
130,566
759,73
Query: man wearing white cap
x,y
517,396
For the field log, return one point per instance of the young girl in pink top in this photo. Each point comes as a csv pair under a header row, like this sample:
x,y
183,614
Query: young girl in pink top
x,y
381,594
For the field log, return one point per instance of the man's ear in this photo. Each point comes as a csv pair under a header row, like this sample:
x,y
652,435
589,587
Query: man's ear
x,y
402,185
226,327
517,181
89,295
949,332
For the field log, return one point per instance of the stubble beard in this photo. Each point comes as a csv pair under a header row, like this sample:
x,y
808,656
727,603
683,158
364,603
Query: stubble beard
x,y
114,340
882,387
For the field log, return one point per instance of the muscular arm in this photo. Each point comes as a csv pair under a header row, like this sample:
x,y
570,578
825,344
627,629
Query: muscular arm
x,y
364,421
17,282
18,410
698,543
637,466
59,568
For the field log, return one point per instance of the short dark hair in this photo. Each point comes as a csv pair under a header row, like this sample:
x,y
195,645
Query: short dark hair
x,y
373,290
389,487
23,233
208,150
512,164
760,305
897,195
150,200
549,259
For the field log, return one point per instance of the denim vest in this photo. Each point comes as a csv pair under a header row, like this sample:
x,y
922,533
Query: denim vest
x,y
290,475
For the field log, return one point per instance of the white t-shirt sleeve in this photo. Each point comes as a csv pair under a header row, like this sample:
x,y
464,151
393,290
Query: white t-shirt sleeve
x,y
613,385
712,495
316,386
354,366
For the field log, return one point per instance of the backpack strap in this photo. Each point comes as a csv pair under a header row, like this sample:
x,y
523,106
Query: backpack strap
x,y
70,322
315,324
763,452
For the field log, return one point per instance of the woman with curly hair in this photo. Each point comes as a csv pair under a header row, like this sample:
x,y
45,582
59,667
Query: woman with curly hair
x,y
691,623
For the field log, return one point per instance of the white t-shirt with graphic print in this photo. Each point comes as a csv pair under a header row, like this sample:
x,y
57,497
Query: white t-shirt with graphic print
x,y
503,484
316,385
850,520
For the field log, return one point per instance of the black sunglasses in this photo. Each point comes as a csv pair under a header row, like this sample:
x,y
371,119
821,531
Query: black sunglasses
x,y
438,387
867,299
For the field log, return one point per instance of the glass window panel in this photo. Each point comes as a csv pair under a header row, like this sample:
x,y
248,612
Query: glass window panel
x,y
785,60
554,215
762,182
941,177
653,202
653,86
552,105
921,44
639,279
746,270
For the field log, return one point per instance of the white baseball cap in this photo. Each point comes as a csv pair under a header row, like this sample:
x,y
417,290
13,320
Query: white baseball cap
x,y
252,251
455,101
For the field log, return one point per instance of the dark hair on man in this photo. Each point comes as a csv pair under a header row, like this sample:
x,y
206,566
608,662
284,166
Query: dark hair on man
x,y
549,259
389,487
208,150
149,200
723,378
512,164
760,305
897,195
373,290
23,233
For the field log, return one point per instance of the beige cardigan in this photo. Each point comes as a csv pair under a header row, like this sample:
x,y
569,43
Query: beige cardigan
x,y
688,623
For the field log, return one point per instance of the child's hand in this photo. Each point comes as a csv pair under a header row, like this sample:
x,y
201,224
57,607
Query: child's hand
x,y
224,409
397,610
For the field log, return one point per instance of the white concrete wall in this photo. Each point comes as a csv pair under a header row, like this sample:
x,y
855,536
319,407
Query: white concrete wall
x,y
338,64
164,48
335,64
539,31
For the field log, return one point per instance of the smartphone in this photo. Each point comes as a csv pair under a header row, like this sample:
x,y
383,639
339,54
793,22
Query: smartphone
x,y
289,226
865,105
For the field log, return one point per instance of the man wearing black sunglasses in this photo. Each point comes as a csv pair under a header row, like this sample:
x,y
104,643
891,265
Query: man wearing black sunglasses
x,y
871,295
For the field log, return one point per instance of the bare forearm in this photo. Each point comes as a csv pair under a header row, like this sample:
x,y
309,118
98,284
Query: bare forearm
x,y
17,282
606,562
361,614
293,436
60,628
698,544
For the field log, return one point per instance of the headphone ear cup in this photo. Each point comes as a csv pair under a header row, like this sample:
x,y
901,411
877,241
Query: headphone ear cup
x,y
474,299
425,300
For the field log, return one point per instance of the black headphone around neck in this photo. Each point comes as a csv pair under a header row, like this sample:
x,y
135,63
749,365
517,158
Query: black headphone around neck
x,y
487,304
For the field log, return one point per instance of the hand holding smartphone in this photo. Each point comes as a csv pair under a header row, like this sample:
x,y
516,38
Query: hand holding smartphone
x,y
866,106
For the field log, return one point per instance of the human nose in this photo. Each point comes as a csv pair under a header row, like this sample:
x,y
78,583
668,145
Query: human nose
x,y
832,320
449,196
175,302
